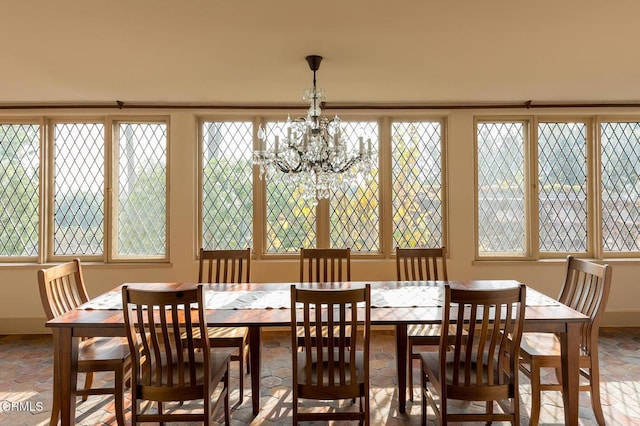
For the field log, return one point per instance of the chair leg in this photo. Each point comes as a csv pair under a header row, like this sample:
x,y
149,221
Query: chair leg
x,y
410,368
516,411
246,351
423,388
88,381
119,395
367,410
489,410
534,417
594,382
227,409
55,408
241,372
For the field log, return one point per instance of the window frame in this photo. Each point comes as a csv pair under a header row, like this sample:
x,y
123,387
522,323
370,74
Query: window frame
x,y
47,192
532,219
322,226
112,193
39,121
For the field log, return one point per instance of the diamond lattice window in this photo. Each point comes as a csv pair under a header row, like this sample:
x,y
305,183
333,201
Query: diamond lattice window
x,y
291,221
19,187
78,189
562,193
501,189
355,211
416,163
142,184
227,194
620,186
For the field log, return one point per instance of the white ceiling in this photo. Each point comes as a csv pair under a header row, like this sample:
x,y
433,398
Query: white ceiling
x,y
376,51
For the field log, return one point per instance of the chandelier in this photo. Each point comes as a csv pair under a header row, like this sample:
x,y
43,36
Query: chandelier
x,y
313,152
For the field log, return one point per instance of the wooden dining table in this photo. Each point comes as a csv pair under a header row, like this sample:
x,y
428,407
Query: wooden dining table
x,y
394,303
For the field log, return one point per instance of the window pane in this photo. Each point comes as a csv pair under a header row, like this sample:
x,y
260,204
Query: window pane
x,y
227,194
620,186
562,178
19,186
416,162
78,189
355,214
291,220
142,185
501,201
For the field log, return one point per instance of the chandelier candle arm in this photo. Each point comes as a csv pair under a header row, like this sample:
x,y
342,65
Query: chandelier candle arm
x,y
313,153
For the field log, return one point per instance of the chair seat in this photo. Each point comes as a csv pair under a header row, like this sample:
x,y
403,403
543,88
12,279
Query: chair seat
x,y
218,362
106,350
227,332
302,364
424,331
428,334
542,345
431,360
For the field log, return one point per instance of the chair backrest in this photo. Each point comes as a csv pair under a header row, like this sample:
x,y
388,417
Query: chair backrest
x,y
62,288
225,266
327,366
486,326
325,265
418,264
163,334
586,289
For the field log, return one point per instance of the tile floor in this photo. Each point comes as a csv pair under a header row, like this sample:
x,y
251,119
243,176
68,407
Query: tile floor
x,y
26,383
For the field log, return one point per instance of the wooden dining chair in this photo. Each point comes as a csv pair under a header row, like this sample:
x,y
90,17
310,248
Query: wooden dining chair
x,y
171,363
336,368
61,290
228,266
420,264
482,364
586,289
325,265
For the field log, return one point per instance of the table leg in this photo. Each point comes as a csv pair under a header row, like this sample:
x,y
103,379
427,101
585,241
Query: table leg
x,y
255,347
68,375
401,361
570,344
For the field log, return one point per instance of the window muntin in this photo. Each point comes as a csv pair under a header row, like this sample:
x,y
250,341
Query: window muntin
x,y
416,179
354,214
78,189
562,187
620,158
141,190
502,206
227,185
19,189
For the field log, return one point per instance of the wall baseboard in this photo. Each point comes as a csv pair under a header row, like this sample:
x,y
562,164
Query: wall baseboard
x,y
23,326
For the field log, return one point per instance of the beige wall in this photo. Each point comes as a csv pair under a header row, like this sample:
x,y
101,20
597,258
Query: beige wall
x,y
20,309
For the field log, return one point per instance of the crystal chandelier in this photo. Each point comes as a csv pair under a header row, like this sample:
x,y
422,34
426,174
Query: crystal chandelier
x,y
312,152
